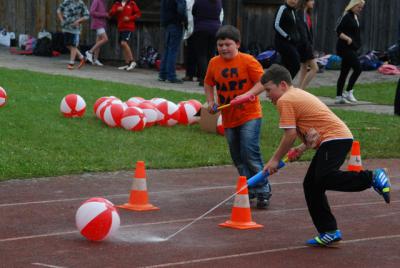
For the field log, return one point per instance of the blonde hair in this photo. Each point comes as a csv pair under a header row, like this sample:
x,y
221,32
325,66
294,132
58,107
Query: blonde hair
x,y
352,4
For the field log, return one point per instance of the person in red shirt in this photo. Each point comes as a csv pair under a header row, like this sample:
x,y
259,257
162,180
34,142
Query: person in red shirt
x,y
126,12
233,73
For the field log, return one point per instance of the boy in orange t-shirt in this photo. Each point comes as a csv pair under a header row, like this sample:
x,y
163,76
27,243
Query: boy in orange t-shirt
x,y
233,73
303,115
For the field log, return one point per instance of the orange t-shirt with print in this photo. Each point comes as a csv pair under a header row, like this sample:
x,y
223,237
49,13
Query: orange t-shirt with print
x,y
232,78
314,121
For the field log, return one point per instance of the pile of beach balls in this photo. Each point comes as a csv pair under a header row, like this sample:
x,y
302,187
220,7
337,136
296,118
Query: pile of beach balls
x,y
136,113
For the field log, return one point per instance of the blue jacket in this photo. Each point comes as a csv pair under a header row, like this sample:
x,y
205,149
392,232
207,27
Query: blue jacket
x,y
173,12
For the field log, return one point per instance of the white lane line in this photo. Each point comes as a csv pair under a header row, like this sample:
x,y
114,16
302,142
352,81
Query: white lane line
x,y
246,254
125,195
47,265
10,239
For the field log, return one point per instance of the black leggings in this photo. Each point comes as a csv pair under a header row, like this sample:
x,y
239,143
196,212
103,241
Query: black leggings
x,y
349,61
289,55
323,174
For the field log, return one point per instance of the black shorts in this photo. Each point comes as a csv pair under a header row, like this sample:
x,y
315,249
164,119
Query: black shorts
x,y
306,53
71,39
124,36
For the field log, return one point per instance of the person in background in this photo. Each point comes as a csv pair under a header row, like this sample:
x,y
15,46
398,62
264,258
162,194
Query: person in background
x,y
127,12
302,115
174,19
72,13
230,74
349,41
308,64
206,15
190,54
98,14
287,36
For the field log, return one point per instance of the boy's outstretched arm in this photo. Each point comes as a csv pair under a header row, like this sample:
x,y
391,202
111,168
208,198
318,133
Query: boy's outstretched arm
x,y
286,143
209,92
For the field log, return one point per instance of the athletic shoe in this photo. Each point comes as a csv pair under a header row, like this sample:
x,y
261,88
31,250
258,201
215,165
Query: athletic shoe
x,y
348,95
131,66
98,63
263,200
81,63
123,67
188,79
70,66
89,56
341,100
381,183
325,239
161,79
176,81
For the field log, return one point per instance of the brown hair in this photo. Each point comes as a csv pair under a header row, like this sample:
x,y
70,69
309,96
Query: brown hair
x,y
276,73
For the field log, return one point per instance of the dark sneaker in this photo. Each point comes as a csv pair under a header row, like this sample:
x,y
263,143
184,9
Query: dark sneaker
x,y
326,239
381,183
263,200
176,81
188,78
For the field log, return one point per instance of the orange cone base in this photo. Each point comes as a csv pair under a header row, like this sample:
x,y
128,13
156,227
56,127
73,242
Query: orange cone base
x,y
241,225
145,207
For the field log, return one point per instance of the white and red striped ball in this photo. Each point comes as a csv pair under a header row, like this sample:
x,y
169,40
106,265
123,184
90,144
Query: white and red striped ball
x,y
131,103
196,104
133,119
220,127
113,114
102,107
73,105
157,101
150,111
187,112
137,100
97,219
98,102
171,113
3,97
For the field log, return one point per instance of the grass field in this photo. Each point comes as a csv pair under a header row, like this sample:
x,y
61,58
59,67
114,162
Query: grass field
x,y
35,140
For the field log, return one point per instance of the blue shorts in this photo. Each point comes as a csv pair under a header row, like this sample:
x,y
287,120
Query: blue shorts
x,y
71,39
124,36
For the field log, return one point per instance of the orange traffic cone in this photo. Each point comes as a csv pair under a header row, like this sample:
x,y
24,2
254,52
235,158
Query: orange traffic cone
x,y
139,199
354,163
241,214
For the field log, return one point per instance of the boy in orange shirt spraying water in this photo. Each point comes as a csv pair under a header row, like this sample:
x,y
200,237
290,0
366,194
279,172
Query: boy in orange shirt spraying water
x,y
303,115
233,73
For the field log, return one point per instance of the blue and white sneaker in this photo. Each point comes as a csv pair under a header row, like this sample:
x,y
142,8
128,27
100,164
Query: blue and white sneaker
x,y
381,183
325,239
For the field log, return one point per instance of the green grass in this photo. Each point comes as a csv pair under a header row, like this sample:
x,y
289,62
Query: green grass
x,y
35,140
379,93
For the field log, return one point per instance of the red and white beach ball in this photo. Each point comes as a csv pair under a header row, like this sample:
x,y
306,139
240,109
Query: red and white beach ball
x,y
133,119
171,113
102,107
220,127
136,100
187,112
113,114
150,111
157,101
73,105
3,97
97,219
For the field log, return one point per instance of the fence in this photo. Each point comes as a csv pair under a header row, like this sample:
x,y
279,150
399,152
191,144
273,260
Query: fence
x,y
379,22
